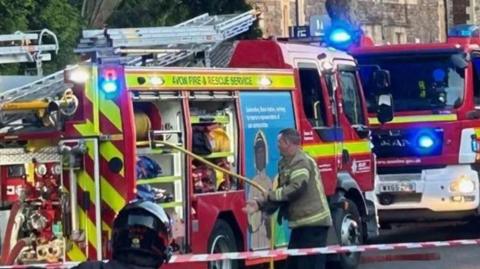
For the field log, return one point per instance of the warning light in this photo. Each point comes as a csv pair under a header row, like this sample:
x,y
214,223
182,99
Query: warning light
x,y
425,141
109,82
109,86
341,35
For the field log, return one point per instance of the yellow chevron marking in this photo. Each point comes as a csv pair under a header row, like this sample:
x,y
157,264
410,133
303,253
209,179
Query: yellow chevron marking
x,y
85,129
108,151
107,228
75,253
90,227
112,112
111,196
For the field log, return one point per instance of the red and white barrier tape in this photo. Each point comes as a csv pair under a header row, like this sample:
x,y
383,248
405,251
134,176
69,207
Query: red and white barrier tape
x,y
189,258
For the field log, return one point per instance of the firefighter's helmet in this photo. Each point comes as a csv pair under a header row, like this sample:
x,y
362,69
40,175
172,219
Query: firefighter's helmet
x,y
142,235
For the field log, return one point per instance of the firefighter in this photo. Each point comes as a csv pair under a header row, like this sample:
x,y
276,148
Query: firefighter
x,y
141,238
300,198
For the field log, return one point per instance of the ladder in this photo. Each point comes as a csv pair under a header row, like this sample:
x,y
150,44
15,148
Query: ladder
x,y
162,46
22,47
47,87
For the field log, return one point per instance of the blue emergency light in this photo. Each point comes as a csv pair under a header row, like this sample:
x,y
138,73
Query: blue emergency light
x,y
425,141
464,30
109,86
341,35
109,82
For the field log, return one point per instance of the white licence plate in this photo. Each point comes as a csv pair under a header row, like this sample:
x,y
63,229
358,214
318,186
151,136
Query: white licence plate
x,y
398,187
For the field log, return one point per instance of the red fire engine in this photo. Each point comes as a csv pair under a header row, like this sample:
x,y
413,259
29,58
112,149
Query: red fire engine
x,y
70,163
428,154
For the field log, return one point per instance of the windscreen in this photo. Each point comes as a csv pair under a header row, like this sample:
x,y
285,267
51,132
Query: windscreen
x,y
418,81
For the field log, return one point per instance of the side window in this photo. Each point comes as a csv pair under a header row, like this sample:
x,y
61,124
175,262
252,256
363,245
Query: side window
x,y
312,95
352,103
476,85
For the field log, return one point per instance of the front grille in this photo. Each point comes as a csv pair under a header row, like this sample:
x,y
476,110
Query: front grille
x,y
398,198
407,169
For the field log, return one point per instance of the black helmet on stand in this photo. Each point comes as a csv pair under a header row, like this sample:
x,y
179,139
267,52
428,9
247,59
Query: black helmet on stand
x,y
142,234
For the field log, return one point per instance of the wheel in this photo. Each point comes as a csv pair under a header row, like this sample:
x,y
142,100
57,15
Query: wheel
x,y
349,230
222,240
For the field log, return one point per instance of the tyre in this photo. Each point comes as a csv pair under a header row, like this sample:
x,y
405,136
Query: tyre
x,y
349,230
222,240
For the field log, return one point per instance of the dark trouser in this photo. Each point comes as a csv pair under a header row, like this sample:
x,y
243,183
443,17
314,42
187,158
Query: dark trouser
x,y
307,237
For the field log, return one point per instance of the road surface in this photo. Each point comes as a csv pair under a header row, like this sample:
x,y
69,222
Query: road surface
x,y
464,257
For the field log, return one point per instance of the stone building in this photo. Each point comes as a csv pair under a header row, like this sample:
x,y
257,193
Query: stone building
x,y
393,21
463,12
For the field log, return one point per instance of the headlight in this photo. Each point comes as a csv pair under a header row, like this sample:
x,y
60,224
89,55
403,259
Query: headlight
x,y
79,75
462,185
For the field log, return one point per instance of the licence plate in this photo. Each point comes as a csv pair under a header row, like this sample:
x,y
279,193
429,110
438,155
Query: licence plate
x,y
398,187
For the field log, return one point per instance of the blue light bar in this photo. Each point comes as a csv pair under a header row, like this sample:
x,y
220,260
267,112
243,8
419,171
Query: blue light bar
x,y
464,30
339,36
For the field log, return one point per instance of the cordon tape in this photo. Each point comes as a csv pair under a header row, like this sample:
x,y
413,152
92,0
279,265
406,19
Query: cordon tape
x,y
187,258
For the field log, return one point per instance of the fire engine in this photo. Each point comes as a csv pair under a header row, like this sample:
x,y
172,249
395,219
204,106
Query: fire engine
x,y
78,144
428,154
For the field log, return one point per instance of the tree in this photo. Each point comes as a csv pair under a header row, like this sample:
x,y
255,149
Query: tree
x,y
149,13
64,20
58,16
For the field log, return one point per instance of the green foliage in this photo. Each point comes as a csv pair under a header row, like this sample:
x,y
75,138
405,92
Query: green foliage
x,y
64,20
14,15
149,13
59,16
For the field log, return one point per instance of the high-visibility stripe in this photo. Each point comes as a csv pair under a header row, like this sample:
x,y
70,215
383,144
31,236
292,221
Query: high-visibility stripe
x,y
308,220
111,196
320,150
108,151
477,132
299,172
417,118
214,79
278,194
358,147
75,253
328,149
112,112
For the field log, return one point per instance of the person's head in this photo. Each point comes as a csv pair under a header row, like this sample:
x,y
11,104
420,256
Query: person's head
x,y
288,141
260,150
142,234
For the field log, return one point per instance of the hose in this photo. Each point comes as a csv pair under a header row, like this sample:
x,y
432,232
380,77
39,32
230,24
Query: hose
x,y
214,166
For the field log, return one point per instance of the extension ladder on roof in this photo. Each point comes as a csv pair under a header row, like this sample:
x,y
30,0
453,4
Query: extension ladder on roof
x,y
28,47
167,44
